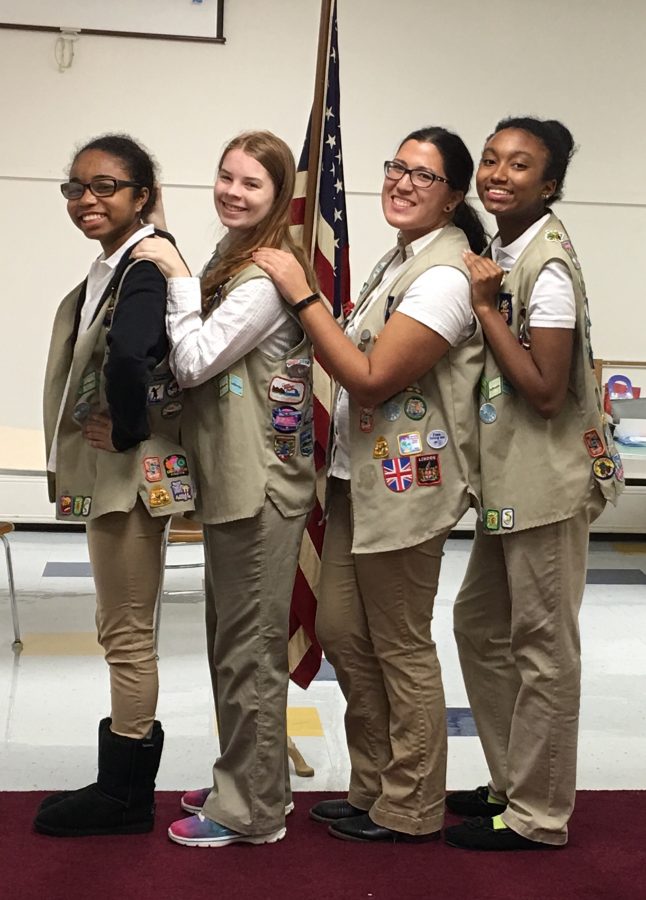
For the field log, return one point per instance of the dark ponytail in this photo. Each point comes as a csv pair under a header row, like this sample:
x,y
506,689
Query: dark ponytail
x,y
458,166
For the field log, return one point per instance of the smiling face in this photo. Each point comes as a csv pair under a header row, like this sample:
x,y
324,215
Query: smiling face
x,y
109,220
243,192
417,211
511,180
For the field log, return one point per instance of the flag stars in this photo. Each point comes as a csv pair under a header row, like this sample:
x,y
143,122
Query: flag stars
x,y
333,54
329,114
338,215
338,186
331,140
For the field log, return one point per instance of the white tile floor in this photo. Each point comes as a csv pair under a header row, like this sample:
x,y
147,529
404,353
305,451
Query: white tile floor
x,y
53,694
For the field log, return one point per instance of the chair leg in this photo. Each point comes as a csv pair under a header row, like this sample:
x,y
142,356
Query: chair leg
x,y
300,766
160,590
17,642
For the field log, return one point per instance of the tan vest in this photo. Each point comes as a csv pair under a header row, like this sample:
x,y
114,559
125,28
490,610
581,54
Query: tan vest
x,y
89,483
414,458
537,471
249,432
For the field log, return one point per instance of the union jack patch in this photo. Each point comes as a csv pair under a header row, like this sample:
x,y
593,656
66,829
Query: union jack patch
x,y
398,473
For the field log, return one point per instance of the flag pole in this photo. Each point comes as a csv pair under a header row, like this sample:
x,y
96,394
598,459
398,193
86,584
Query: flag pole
x,y
316,134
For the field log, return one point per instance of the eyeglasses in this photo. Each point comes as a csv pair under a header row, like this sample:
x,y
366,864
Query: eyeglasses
x,y
101,186
421,178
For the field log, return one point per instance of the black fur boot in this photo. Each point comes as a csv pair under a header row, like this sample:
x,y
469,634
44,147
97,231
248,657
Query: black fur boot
x,y
122,799
104,725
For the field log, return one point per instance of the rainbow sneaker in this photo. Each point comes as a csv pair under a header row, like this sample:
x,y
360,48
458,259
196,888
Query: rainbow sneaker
x,y
193,801
198,831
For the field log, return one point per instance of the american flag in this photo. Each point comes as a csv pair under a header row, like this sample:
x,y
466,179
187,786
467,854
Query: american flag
x,y
331,263
398,473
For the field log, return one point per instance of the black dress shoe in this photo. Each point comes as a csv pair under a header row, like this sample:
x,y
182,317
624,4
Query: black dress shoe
x,y
363,829
331,810
473,803
479,834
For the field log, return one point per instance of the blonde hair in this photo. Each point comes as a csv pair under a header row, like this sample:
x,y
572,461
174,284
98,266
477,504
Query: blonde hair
x,y
273,231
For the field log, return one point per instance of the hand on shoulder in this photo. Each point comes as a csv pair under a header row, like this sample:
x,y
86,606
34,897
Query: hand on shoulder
x,y
164,254
285,271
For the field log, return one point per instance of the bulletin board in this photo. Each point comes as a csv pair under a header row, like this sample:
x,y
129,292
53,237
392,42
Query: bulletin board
x,y
175,20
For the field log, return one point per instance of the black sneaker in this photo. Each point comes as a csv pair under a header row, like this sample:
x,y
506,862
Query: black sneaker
x,y
479,834
474,803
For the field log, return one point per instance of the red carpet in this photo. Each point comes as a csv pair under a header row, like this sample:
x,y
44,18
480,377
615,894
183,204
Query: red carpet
x,y
605,859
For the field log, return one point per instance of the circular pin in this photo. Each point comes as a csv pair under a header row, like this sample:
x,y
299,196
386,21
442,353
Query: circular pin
x,y
415,408
437,439
603,468
81,411
391,410
365,335
361,346
488,413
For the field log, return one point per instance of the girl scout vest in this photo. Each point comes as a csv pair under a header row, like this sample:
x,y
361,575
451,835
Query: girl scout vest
x,y
89,483
537,471
249,431
414,458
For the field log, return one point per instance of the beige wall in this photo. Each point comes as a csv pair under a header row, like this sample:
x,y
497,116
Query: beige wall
x,y
404,64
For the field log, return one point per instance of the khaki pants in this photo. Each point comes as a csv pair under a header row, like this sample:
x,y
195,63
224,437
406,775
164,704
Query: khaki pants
x,y
517,631
125,552
374,623
250,571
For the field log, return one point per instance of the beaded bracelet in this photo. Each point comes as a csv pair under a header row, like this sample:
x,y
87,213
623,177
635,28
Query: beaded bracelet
x,y
300,306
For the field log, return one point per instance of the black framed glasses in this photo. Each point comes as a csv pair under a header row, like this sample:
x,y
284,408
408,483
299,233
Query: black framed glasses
x,y
101,186
421,178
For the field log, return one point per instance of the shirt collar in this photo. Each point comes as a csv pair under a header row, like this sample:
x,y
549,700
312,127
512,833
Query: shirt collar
x,y
113,260
507,256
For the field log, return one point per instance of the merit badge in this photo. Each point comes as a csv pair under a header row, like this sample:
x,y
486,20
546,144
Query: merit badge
x,y
428,470
223,385
81,411
175,465
77,509
155,393
65,505
391,410
415,408
157,497
410,443
286,419
492,519
172,409
89,383
569,249
366,419
306,442
181,490
619,467
298,367
554,236
285,446
380,450
152,468
437,439
488,413
507,518
286,390
594,443
398,473
505,307
603,468
236,385
87,506
173,388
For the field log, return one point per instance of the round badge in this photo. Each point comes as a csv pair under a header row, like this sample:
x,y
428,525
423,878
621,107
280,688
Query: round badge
x,y
391,410
365,336
172,409
603,468
437,439
488,413
415,408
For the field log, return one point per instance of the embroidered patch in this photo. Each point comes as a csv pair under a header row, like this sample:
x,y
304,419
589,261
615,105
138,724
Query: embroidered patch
x,y
87,506
491,519
89,383
603,468
152,468
175,465
554,236
65,505
507,518
380,450
157,497
172,409
283,389
223,385
78,506
155,393
505,307
173,389
619,467
428,470
415,408
410,443
306,442
593,442
569,249
236,385
367,419
181,490
299,366
398,473
286,419
285,446
437,439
